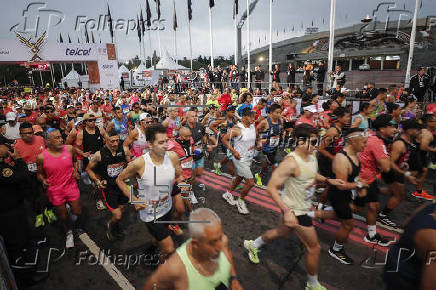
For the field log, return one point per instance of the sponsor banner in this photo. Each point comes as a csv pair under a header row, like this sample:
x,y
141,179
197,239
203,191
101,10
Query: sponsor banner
x,y
14,51
108,73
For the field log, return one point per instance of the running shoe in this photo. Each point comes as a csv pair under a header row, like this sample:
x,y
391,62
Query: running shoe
x,y
229,198
217,168
258,179
385,220
50,216
341,256
378,240
100,205
317,287
69,242
39,221
176,229
242,207
252,251
423,195
109,234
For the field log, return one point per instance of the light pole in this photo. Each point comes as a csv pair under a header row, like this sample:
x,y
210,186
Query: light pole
x,y
331,39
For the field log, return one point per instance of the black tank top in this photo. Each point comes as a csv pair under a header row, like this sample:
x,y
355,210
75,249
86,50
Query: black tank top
x,y
351,178
402,264
111,166
92,142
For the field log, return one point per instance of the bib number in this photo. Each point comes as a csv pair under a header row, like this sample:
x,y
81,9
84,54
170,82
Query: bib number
x,y
32,167
274,141
187,164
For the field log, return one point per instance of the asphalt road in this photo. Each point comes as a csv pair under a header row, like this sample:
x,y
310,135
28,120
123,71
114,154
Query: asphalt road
x,y
282,262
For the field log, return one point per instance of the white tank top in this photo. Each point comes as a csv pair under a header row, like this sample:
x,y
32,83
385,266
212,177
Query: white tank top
x,y
295,189
12,133
245,143
139,145
155,187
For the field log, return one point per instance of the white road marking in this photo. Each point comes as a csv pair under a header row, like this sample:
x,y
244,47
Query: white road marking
x,y
108,266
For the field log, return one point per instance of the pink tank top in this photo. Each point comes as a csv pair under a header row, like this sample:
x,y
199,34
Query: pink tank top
x,y
59,173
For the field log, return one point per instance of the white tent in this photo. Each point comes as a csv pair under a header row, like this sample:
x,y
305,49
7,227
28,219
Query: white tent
x,y
167,63
72,79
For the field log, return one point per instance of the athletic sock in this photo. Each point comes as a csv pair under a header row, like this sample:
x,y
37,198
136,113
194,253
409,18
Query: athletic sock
x,y
372,230
337,247
386,211
259,242
313,280
311,214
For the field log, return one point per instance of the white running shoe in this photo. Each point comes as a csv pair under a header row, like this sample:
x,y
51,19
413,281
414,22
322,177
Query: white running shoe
x,y
242,207
69,242
100,205
229,198
193,198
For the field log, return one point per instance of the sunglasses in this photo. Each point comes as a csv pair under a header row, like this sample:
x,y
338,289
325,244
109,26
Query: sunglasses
x,y
91,120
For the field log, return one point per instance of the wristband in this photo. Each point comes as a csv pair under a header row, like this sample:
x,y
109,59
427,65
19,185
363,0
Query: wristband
x,y
407,173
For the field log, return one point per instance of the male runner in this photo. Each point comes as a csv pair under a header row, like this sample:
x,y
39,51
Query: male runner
x,y
119,123
244,142
297,172
373,160
271,129
136,136
203,262
57,171
402,149
427,145
111,159
156,172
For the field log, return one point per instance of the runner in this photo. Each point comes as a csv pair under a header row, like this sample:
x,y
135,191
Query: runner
x,y
29,147
156,172
57,171
111,160
374,159
244,142
136,137
297,172
403,148
120,124
271,129
172,123
211,117
11,130
95,110
203,262
428,148
133,116
224,124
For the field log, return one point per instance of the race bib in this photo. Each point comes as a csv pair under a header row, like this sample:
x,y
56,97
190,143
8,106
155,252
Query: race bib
x,y
187,163
32,167
159,206
198,147
114,170
126,110
123,136
274,141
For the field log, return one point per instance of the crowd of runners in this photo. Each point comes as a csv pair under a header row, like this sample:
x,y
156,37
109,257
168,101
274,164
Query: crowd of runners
x,y
146,147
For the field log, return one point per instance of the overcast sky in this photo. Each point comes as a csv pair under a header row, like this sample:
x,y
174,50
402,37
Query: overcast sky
x,y
289,17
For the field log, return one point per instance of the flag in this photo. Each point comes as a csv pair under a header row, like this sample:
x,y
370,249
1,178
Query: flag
x,y
138,28
175,17
404,6
142,24
69,39
235,8
190,10
420,5
148,14
293,28
92,37
86,35
111,28
323,20
312,23
157,8
61,40
211,3
277,32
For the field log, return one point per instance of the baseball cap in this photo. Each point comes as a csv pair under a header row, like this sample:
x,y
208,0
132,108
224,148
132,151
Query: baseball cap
x,y
11,116
144,116
70,106
37,129
382,121
310,108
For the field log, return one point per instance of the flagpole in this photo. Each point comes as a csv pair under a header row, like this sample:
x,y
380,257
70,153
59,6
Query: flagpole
x,y
331,39
248,45
190,41
236,36
211,38
42,82
270,44
62,70
151,50
175,32
411,46
52,76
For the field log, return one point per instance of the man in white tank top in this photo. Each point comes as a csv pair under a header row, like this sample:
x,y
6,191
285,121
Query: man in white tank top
x,y
244,138
297,172
156,172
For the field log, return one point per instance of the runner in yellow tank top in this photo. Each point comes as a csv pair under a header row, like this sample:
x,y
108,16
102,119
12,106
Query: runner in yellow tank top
x,y
298,173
